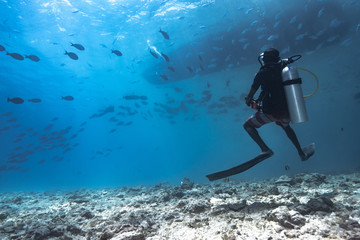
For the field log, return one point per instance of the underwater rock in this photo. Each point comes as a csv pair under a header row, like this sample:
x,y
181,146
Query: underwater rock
x,y
284,180
187,184
41,232
321,204
88,215
350,224
199,206
224,208
135,235
274,191
74,230
303,209
207,211
4,215
312,178
286,218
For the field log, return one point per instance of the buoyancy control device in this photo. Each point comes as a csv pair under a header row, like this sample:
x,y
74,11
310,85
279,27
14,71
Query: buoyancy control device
x,y
293,90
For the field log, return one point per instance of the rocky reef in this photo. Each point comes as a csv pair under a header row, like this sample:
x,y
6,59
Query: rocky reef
x,y
303,206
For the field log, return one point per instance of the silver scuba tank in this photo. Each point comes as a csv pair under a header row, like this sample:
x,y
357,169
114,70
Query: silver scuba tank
x,y
294,95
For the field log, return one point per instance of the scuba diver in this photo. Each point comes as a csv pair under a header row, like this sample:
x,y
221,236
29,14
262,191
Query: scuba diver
x,y
272,104
281,101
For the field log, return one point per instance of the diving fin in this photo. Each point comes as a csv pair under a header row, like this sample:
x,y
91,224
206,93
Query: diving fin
x,y
309,150
238,169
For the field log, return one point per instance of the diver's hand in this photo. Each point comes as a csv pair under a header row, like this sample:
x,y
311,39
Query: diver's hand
x,y
248,101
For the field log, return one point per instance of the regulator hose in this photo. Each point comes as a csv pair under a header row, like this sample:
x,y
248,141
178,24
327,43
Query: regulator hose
x,y
317,81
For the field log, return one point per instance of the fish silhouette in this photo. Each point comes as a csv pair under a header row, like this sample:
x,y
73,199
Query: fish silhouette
x,y
154,54
33,58
78,46
72,55
134,97
2,48
116,52
171,69
165,35
68,98
15,100
165,57
15,56
34,100
41,161
164,77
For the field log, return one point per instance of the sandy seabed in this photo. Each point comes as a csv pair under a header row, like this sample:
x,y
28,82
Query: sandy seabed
x,y
304,206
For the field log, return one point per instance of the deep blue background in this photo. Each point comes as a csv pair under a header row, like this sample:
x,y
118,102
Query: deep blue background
x,y
176,129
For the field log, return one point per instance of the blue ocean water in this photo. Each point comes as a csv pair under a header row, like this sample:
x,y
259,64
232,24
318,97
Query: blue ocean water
x,y
158,90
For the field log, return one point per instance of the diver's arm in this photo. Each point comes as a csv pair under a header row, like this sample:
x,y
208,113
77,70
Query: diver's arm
x,y
250,96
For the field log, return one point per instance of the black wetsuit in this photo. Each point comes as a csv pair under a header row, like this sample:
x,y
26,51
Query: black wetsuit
x,y
273,93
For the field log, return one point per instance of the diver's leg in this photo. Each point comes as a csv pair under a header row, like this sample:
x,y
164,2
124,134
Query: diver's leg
x,y
292,136
251,130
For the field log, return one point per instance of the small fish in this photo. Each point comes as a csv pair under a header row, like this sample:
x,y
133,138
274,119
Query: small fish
x,y
116,52
2,48
33,58
300,36
6,114
12,120
41,161
321,11
245,30
154,54
249,11
293,19
342,129
72,55
78,46
68,98
21,135
171,69
200,58
15,56
133,97
164,77
335,23
128,123
273,37
34,100
165,35
254,23
331,39
190,69
287,167
165,57
15,100
178,89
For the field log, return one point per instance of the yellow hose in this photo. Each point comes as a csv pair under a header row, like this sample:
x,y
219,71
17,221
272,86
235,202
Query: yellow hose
x,y
317,81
